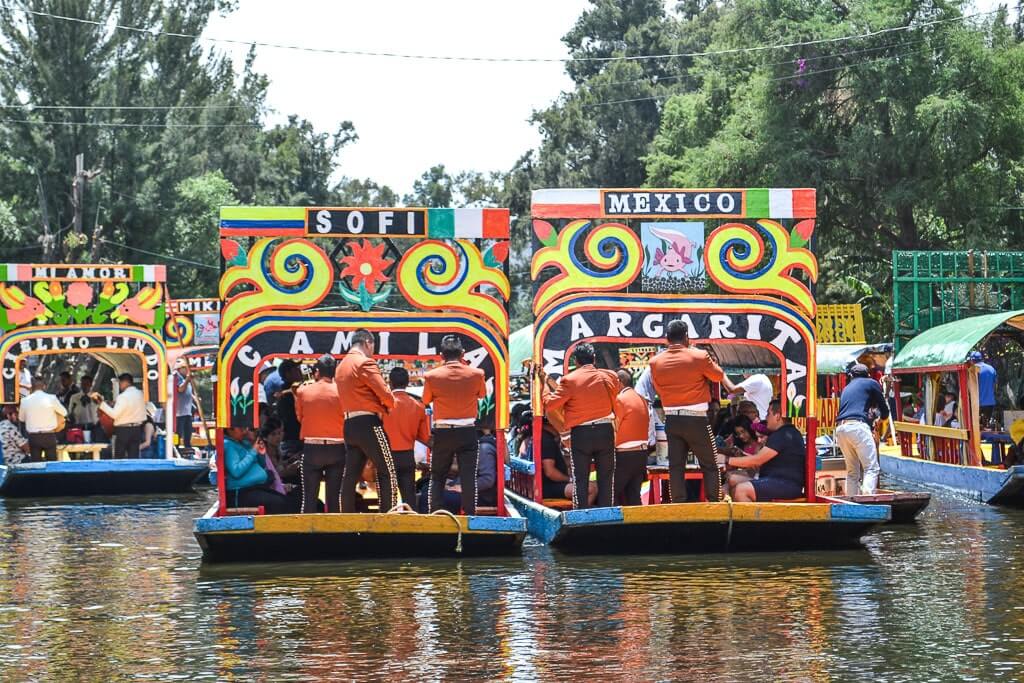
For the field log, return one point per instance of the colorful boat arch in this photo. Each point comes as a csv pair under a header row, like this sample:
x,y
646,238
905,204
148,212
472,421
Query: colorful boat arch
x,y
91,339
262,337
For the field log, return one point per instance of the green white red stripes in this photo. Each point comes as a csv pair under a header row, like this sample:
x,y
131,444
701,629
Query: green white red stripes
x,y
468,223
751,203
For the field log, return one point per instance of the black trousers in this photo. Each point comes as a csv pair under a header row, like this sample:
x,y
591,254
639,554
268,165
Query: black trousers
x,y
449,444
365,438
593,444
405,470
687,433
253,497
630,473
322,461
127,441
42,446
183,425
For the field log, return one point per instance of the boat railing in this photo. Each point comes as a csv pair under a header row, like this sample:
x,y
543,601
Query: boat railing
x,y
928,442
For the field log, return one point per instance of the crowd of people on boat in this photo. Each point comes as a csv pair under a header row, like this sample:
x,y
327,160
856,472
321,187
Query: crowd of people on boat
x,y
77,420
361,439
603,419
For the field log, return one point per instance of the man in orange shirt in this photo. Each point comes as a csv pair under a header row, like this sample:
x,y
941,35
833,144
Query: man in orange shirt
x,y
405,425
681,375
318,409
588,396
366,400
634,435
453,389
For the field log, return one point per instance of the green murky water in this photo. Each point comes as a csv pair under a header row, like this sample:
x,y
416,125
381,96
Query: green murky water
x,y
100,592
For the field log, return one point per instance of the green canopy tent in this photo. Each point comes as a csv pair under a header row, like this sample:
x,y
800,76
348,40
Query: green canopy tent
x,y
946,347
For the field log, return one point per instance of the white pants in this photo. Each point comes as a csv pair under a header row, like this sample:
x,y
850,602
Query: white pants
x,y
857,443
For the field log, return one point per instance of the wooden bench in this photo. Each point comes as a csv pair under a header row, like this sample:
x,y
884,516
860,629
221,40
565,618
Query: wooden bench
x,y
558,503
244,511
486,510
659,473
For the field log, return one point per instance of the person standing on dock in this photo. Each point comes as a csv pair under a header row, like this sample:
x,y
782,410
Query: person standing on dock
x,y
634,436
319,410
43,415
405,425
454,389
854,435
587,395
366,399
129,415
681,376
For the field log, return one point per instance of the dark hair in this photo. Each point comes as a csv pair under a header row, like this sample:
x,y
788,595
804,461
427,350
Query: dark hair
x,y
776,407
584,354
326,365
85,378
272,424
676,332
743,421
451,347
625,377
126,377
362,336
65,374
399,377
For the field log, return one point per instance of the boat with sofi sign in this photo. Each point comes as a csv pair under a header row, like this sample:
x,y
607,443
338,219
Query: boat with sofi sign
x,y
613,267
113,315
297,283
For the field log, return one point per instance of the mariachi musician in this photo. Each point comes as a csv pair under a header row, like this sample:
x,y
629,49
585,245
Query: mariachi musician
x,y
366,399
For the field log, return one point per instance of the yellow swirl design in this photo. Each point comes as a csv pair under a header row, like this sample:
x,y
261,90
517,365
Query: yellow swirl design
x,y
296,275
612,247
436,275
179,330
738,260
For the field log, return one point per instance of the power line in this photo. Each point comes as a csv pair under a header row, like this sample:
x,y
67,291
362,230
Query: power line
x,y
114,124
771,80
105,107
163,256
459,58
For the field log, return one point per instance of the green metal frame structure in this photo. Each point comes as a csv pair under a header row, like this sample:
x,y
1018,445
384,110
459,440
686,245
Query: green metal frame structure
x,y
935,287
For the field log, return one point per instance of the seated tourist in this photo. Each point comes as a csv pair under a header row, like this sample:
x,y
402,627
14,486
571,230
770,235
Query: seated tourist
x,y
945,416
246,478
556,481
268,444
744,440
149,447
12,441
782,462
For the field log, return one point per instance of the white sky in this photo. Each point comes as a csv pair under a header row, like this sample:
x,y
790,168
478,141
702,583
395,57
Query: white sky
x,y
412,114
409,114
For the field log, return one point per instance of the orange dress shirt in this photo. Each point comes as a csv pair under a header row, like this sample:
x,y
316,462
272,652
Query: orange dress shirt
x,y
632,418
406,423
318,408
681,375
360,385
585,394
454,388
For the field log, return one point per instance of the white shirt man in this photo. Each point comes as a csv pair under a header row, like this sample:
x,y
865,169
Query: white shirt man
x,y
129,414
24,383
757,389
41,413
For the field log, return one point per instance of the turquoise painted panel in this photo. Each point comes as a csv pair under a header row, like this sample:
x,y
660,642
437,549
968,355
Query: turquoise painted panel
x,y
505,524
205,525
852,512
592,516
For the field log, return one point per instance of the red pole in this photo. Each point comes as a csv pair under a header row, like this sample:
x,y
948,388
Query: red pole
x,y
812,459
500,472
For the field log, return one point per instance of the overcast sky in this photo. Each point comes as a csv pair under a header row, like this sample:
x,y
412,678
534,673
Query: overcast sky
x,y
412,114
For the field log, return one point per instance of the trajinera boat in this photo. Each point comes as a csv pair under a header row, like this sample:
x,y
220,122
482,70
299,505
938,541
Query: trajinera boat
x,y
111,313
297,283
613,267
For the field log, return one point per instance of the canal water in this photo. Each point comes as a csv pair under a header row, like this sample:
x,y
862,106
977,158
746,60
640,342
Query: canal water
x,y
100,592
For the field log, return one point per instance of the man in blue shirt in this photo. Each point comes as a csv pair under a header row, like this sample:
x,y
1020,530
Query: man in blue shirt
x,y
986,387
853,430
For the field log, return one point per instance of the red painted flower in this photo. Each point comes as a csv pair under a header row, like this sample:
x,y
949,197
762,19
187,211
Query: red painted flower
x,y
366,265
79,294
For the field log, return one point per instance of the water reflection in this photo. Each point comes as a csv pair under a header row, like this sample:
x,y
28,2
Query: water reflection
x,y
101,592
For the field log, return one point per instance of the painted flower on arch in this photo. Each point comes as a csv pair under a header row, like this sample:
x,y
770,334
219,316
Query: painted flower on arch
x,y
366,265
79,294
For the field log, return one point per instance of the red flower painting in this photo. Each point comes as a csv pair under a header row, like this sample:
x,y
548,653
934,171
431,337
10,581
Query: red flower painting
x,y
79,294
366,265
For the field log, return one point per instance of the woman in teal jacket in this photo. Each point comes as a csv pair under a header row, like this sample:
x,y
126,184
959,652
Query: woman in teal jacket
x,y
245,477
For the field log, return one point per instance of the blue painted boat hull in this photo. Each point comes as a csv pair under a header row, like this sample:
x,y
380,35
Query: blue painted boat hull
x,y
987,485
604,531
80,478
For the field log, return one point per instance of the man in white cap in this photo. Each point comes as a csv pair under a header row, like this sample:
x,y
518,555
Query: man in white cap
x,y
853,430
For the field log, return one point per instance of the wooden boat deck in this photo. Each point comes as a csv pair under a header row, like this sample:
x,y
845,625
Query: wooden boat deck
x,y
100,477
